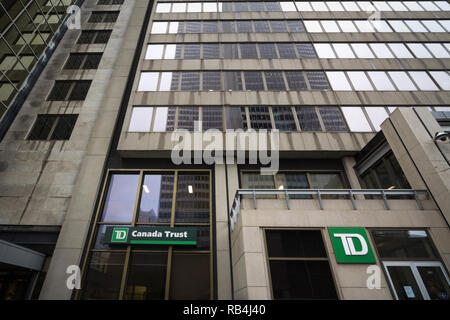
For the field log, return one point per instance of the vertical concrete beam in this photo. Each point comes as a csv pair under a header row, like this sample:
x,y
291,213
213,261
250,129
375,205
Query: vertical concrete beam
x,y
349,163
222,235
410,134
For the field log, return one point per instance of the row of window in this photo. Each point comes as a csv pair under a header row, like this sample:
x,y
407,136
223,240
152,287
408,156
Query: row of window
x,y
232,81
103,16
299,118
286,50
294,81
389,81
383,50
94,36
68,90
83,61
268,26
302,6
230,51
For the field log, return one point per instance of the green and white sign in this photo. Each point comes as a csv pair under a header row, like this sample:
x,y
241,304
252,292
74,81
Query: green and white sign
x,y
351,245
151,235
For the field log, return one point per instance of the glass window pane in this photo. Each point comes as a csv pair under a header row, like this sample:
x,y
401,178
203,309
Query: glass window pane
x,y
211,51
253,80
121,197
410,244
305,50
232,80
377,115
295,243
382,6
423,81
429,6
148,81
154,51
319,6
212,118
397,6
190,81
159,27
332,119
244,26
400,50
364,26
415,26
296,80
433,26
437,50
293,180
194,7
192,198
435,282
156,198
163,7
193,26
187,116
312,26
176,27
326,181
317,80
179,7
302,280
335,6
381,81
347,25
163,121
284,119
303,6
308,119
261,26
104,276
381,50
211,81
444,5
343,50
419,50
141,119
356,119
171,50
413,5
278,25
442,78
287,6
324,50
404,282
146,276
189,278
248,51
359,81
350,6
338,81
380,26
330,26
166,81
227,26
286,50
274,80
362,50
230,51
398,26
402,81
209,7
267,51
366,6
254,180
192,51
236,118
260,118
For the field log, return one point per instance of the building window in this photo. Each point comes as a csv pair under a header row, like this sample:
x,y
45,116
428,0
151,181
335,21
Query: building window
x,y
83,61
69,90
412,265
94,36
53,127
107,2
103,16
298,265
145,198
284,119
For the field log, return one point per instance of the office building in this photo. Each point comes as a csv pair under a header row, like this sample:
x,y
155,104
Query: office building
x,y
350,96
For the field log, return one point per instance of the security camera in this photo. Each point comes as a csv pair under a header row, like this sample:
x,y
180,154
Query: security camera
x,y
442,136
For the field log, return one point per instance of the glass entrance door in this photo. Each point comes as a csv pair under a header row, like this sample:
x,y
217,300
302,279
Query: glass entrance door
x,y
418,280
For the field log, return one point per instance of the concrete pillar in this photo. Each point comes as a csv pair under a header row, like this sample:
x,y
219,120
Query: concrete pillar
x,y
349,163
410,134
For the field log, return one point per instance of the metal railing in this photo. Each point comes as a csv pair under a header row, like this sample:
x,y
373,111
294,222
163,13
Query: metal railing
x,y
351,193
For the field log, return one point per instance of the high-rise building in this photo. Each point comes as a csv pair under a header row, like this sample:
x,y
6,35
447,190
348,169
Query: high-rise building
x,y
141,155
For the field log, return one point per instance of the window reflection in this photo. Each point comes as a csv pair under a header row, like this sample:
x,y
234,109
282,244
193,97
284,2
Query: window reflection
x,y
192,198
121,197
156,199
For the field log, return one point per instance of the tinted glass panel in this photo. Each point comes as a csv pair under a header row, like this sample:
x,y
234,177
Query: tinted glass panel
x,y
295,243
192,204
308,119
121,197
253,80
332,119
156,198
284,119
411,244
190,276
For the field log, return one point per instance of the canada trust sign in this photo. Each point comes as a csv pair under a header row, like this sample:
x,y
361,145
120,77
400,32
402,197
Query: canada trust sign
x,y
151,235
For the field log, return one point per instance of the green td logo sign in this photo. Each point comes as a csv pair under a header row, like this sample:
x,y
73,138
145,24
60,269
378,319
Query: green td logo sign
x,y
119,235
351,245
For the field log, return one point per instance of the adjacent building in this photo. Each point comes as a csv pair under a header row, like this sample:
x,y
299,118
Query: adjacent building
x,y
349,96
